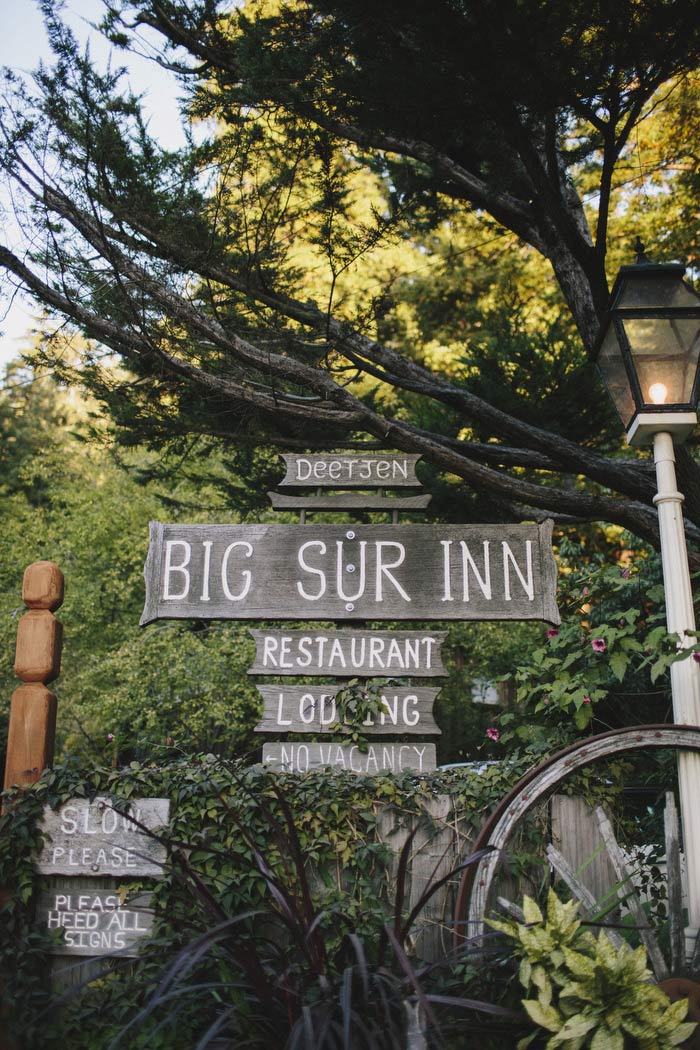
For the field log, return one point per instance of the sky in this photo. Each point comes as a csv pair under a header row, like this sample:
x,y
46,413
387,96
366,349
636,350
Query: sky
x,y
23,44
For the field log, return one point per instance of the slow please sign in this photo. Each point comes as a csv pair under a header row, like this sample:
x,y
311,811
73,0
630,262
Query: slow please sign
x,y
373,572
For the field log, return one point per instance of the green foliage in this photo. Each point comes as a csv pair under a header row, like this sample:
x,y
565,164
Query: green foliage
x,y
397,229
608,661
587,993
66,499
233,851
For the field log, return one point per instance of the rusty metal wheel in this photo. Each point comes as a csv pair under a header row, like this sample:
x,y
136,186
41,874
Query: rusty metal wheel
x,y
474,898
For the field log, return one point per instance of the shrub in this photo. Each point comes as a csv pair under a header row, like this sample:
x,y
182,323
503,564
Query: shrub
x,y
586,992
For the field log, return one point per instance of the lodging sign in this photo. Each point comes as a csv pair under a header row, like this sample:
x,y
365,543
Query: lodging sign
x,y
372,572
94,838
304,709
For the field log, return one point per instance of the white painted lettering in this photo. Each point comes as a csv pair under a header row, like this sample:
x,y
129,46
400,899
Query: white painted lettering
x,y
269,649
207,544
285,659
309,568
446,571
376,648
387,709
245,574
280,720
336,654
110,819
69,823
181,567
467,563
413,717
341,572
526,581
327,719
428,644
303,469
383,569
304,648
307,708
302,758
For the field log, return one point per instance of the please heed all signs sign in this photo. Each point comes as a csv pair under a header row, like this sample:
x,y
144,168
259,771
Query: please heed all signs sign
x,y
95,922
372,572
93,839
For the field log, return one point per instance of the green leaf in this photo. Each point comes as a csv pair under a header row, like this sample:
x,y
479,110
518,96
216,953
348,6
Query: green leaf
x,y
604,1039
531,911
545,1016
619,664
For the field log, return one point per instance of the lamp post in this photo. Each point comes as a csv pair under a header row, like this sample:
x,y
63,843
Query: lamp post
x,y
648,351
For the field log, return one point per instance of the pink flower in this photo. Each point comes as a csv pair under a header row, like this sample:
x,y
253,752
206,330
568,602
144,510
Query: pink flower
x,y
492,733
552,632
110,737
586,700
696,657
586,592
625,573
598,645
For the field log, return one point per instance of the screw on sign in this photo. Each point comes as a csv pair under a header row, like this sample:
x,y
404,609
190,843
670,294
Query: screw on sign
x,y
37,661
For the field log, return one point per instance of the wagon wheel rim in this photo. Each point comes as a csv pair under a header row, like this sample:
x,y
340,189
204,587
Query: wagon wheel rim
x,y
541,780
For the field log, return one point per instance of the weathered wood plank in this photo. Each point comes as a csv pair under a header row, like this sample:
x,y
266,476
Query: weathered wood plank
x,y
589,905
313,709
38,650
674,885
348,501
378,758
433,856
576,834
324,470
95,922
30,735
92,838
69,971
473,900
349,653
43,586
371,572
658,963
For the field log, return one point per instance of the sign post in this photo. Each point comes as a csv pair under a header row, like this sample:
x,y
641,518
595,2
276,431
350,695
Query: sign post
x,y
32,727
350,574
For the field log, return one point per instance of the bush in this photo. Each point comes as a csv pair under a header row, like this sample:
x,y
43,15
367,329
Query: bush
x,y
587,993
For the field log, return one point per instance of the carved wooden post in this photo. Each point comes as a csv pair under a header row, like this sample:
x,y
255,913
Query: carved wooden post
x,y
32,727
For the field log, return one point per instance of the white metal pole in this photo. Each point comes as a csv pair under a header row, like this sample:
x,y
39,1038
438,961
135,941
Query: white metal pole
x,y
685,675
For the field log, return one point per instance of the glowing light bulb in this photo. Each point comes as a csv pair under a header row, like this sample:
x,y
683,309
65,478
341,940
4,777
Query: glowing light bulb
x,y
658,393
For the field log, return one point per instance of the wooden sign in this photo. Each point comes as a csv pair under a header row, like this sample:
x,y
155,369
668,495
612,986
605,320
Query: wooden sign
x,y
307,709
94,838
378,758
391,470
368,572
95,922
349,653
